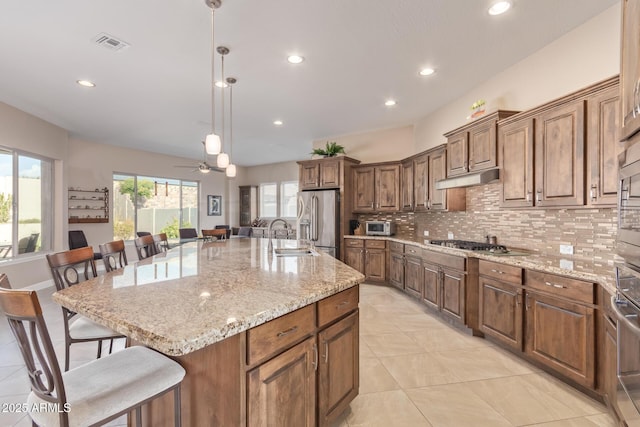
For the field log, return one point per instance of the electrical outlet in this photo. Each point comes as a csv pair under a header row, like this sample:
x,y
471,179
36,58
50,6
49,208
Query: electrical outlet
x,y
426,233
449,235
566,264
426,241
566,249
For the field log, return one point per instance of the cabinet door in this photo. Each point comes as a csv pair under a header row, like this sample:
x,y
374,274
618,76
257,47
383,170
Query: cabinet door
x,y
630,68
457,154
603,133
338,370
375,267
363,189
309,175
501,312
561,335
282,391
387,188
421,182
453,293
516,144
354,258
437,171
482,147
559,152
330,174
610,362
396,269
406,192
431,285
413,276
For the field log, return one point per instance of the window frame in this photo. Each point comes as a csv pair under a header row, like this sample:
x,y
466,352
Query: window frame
x,y
279,186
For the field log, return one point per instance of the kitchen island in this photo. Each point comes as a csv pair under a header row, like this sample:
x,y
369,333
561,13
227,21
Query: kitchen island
x,y
254,331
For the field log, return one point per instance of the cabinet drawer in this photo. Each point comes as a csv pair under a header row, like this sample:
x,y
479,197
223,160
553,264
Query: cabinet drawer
x,y
573,289
412,250
354,243
396,247
335,306
279,334
502,272
375,244
452,261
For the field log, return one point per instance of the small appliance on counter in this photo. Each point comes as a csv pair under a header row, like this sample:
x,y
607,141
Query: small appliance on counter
x,y
380,228
354,225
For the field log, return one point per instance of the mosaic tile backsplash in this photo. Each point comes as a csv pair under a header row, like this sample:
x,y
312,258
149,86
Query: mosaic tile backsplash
x,y
591,232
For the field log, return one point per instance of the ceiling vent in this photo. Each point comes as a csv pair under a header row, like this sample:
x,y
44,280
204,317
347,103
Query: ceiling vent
x,y
110,42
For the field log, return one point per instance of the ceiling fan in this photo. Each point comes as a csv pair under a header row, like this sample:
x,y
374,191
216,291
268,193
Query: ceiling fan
x,y
203,166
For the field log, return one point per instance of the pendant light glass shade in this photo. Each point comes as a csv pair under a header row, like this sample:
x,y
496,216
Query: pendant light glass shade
x,y
222,160
212,144
231,171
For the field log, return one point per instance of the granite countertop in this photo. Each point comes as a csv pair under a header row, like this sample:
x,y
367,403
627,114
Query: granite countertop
x,y
564,265
200,293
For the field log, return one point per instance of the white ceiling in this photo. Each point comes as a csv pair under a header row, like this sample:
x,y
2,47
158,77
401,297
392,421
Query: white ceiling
x,y
155,95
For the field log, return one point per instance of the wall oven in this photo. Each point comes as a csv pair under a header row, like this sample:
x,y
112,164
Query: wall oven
x,y
628,239
626,307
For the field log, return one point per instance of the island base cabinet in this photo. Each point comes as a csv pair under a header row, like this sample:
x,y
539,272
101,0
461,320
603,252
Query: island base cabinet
x,y
338,370
561,335
282,391
501,312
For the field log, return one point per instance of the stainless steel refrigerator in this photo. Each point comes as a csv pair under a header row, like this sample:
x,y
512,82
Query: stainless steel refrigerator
x,y
319,219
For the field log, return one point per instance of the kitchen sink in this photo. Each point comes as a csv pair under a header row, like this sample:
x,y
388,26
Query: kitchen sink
x,y
295,252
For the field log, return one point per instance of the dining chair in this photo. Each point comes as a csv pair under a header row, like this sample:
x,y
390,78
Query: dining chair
x,y
94,393
145,247
143,233
225,227
245,232
188,233
113,255
214,234
28,244
162,242
69,268
77,239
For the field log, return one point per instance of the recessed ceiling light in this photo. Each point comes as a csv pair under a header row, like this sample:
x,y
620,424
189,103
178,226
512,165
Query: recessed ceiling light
x,y
500,7
221,84
427,71
390,103
295,59
86,83
277,122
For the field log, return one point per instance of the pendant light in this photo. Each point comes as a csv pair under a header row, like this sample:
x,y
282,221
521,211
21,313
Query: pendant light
x,y
231,169
212,142
223,158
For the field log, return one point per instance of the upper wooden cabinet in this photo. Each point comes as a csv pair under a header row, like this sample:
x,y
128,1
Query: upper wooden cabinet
x,y
421,182
407,199
551,155
453,199
323,173
377,188
630,68
473,147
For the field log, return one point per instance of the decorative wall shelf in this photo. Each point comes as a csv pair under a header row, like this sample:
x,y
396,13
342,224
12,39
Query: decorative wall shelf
x,y
88,206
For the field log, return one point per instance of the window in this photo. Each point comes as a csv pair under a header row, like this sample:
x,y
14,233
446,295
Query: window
x,y
25,203
278,200
153,204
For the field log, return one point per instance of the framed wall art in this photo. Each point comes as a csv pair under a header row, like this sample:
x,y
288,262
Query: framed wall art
x,y
214,205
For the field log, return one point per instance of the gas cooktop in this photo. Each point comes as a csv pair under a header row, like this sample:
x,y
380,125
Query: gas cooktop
x,y
470,246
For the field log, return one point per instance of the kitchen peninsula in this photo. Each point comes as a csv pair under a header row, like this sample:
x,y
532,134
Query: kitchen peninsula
x,y
254,331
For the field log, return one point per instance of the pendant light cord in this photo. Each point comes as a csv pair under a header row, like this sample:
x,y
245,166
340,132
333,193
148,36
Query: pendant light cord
x,y
222,88
213,77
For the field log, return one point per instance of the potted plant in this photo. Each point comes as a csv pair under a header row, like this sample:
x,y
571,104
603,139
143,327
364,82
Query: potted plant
x,y
477,108
331,149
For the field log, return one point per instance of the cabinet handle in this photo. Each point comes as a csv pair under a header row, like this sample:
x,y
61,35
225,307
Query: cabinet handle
x,y
538,196
315,357
621,317
555,285
593,192
493,270
372,205
518,296
287,332
345,302
526,305
528,198
326,352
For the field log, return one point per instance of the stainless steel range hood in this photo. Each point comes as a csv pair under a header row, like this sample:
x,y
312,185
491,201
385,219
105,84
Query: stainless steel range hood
x,y
478,178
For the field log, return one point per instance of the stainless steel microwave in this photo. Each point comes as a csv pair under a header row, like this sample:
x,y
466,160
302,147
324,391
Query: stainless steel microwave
x,y
380,228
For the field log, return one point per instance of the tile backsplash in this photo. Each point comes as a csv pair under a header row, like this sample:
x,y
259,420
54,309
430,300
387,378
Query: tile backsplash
x,y
591,232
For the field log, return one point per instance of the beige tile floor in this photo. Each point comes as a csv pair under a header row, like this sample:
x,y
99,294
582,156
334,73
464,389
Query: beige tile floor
x,y
414,371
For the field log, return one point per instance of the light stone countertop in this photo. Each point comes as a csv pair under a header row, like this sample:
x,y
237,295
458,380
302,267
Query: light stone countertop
x,y
563,265
200,293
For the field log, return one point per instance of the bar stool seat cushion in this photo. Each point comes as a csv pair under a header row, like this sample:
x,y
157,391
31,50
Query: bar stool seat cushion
x,y
111,385
84,328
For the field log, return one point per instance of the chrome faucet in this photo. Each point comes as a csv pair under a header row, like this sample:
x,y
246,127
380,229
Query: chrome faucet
x,y
286,226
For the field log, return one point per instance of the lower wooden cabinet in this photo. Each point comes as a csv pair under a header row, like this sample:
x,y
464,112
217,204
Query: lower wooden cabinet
x,y
354,257
375,264
338,370
368,256
282,391
396,269
443,287
413,276
561,334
